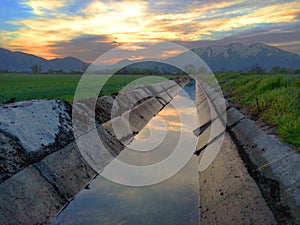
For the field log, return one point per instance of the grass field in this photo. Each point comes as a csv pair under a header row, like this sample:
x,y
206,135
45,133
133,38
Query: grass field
x,y
55,86
276,98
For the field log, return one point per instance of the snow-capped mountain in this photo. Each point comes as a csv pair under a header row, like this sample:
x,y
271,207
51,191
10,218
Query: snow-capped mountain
x,y
238,57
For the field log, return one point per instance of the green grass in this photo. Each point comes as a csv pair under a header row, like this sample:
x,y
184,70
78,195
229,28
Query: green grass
x,y
57,86
276,98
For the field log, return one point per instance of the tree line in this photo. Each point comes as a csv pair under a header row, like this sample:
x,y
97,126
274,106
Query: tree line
x,y
256,69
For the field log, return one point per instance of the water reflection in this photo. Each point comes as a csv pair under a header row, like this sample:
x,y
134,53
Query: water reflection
x,y
174,201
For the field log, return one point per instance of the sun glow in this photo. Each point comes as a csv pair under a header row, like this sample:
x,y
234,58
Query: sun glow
x,y
132,10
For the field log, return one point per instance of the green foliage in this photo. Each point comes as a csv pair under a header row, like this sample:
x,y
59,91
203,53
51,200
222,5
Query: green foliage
x,y
276,98
35,68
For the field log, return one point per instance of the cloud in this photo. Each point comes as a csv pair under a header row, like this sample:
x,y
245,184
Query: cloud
x,y
87,47
55,26
42,7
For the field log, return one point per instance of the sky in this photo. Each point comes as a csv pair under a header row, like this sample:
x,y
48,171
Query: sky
x,y
86,29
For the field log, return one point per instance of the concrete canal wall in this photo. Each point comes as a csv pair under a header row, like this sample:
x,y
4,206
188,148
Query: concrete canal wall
x,y
254,179
42,168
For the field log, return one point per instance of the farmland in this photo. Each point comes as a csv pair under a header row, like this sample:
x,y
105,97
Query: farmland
x,y
55,86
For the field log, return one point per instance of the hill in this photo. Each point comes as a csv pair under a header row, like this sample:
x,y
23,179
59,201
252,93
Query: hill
x,y
22,62
232,57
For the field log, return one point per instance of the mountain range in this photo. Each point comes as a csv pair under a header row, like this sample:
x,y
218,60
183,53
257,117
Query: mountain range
x,y
22,62
239,57
235,56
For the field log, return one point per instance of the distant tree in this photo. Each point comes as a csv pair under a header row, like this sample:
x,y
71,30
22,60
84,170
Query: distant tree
x,y
222,70
35,68
291,71
136,71
148,71
282,70
190,69
84,68
123,71
203,70
297,71
60,71
258,69
156,71
275,70
51,71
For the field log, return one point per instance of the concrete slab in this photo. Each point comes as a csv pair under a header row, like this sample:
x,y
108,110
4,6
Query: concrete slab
x,y
228,194
164,98
141,94
40,118
103,109
168,84
27,198
136,122
132,121
156,89
173,91
13,158
122,104
67,170
276,167
234,116
119,127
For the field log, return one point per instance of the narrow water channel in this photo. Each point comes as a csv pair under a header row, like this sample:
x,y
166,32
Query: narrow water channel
x,y
174,201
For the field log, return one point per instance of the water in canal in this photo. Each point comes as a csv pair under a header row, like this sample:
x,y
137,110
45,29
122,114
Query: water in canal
x,y
173,201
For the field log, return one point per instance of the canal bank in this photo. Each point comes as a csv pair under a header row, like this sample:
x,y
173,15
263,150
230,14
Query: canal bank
x,y
172,201
43,168
254,178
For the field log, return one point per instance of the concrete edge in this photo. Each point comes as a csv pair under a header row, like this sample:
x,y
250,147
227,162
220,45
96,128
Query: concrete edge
x,y
273,165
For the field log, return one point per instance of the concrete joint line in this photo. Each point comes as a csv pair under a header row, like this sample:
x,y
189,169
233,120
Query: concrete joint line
x,y
162,100
198,151
51,182
234,124
198,131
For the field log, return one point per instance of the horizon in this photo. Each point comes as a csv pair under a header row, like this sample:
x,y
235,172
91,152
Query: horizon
x,y
117,61
85,30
